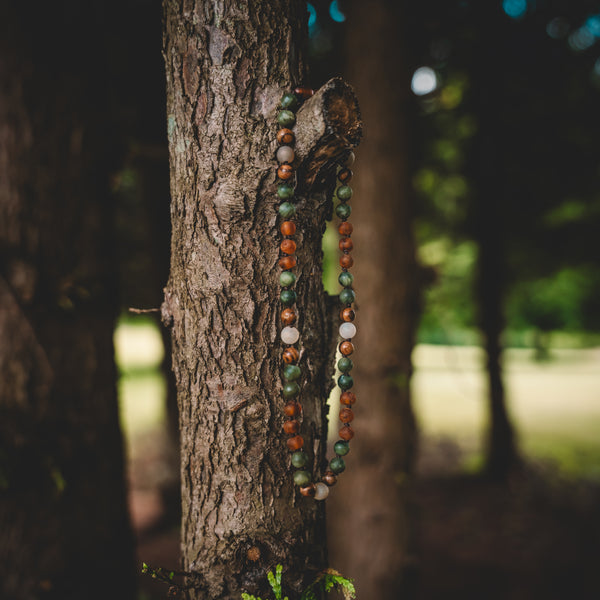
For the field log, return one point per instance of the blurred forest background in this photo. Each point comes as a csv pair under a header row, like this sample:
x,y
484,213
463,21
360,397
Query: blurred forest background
x,y
506,219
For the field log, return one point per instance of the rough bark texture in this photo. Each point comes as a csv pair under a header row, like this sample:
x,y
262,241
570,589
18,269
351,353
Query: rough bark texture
x,y
63,518
227,66
372,503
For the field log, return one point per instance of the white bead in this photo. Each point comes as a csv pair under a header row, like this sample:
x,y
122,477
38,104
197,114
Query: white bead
x,y
290,335
347,330
350,159
285,154
321,491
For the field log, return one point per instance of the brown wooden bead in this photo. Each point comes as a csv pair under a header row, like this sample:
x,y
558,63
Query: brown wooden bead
x,y
308,490
295,443
285,137
346,244
292,409
345,175
348,398
287,262
345,228
288,316
346,348
288,228
290,355
346,261
304,92
329,478
347,315
292,427
346,415
285,172
346,433
288,246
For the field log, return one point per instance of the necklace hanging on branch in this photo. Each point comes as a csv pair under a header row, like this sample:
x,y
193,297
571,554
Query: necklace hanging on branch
x,y
290,335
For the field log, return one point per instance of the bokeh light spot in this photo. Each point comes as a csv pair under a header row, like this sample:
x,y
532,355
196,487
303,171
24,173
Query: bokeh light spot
x,y
312,15
424,81
336,14
592,24
581,39
514,8
557,28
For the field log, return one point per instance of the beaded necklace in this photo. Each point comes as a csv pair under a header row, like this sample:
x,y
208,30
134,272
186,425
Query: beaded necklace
x,y
290,335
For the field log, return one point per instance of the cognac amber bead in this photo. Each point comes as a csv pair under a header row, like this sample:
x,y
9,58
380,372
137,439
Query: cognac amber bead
x,y
292,427
346,261
347,315
288,246
329,478
345,228
288,228
287,262
290,355
288,316
296,442
285,172
346,348
285,136
304,92
346,433
346,244
346,415
292,409
348,398
308,490
345,175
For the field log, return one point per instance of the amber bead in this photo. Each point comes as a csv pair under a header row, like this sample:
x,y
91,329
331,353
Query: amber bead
x,y
292,427
292,409
304,92
348,398
346,244
288,228
295,443
346,261
288,246
287,262
288,316
290,355
345,228
308,490
329,478
346,415
346,433
346,348
347,315
285,136
285,172
345,175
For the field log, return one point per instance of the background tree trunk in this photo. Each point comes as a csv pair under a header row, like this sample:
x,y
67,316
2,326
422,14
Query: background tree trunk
x,y
228,65
63,517
372,505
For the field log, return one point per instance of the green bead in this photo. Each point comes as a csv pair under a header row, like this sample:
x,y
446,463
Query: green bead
x,y
286,279
290,389
343,211
285,191
291,372
302,478
299,459
345,382
289,101
344,192
346,279
286,118
337,464
287,210
341,448
287,297
347,296
345,364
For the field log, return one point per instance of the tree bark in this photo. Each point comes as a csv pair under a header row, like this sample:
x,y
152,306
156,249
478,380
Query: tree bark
x,y
63,517
373,502
228,65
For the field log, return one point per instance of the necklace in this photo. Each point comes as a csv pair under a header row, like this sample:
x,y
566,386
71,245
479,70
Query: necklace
x,y
286,118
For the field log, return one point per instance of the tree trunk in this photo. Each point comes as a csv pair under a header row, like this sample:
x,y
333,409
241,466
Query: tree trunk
x,y
63,517
227,66
373,500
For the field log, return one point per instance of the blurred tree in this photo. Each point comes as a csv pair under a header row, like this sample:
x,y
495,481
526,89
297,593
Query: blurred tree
x,y
63,514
